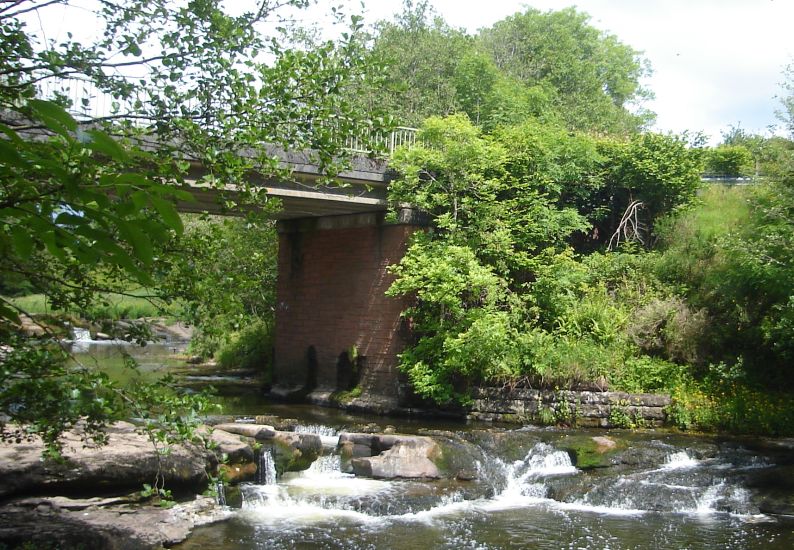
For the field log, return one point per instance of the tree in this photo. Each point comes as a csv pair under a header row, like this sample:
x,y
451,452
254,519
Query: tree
x,y
729,160
420,55
224,276
786,114
594,78
646,176
494,228
88,202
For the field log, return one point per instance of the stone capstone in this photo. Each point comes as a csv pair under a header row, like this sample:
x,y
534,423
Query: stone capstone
x,y
393,456
259,432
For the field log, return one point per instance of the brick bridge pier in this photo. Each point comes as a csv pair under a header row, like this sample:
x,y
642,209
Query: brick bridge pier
x,y
335,327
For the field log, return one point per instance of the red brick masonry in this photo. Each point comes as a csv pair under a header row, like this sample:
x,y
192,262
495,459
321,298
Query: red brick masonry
x,y
332,276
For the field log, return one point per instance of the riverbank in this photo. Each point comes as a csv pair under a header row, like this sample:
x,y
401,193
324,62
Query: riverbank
x,y
524,406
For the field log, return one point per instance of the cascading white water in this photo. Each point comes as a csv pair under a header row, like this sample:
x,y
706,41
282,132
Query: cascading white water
x,y
81,340
317,429
220,489
653,492
266,471
323,493
329,436
81,334
679,460
524,478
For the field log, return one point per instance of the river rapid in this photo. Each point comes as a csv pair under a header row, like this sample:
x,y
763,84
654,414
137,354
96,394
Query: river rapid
x,y
528,487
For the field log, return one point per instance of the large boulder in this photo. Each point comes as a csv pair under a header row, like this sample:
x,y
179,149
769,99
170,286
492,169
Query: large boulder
x,y
406,458
59,522
127,461
260,432
294,452
229,446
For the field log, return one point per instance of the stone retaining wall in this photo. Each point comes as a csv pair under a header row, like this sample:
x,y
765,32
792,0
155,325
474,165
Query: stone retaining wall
x,y
580,408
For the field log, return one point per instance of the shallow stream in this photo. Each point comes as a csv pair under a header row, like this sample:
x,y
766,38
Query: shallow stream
x,y
657,490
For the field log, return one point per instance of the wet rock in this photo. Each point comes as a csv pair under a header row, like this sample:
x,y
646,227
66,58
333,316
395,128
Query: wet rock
x,y
127,461
591,452
281,424
644,456
58,522
460,459
466,475
363,439
294,452
230,446
604,444
407,458
509,445
237,473
259,432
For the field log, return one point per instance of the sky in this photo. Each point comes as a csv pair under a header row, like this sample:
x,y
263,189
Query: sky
x,y
716,63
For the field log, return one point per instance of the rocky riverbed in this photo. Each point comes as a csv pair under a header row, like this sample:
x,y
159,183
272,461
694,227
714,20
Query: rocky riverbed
x,y
93,497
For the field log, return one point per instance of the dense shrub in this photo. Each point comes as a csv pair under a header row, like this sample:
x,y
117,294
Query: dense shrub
x,y
251,349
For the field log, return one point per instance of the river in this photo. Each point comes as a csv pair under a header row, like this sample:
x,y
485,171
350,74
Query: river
x,y
661,490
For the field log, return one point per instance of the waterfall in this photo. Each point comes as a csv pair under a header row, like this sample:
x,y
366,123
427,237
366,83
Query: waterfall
x,y
329,436
317,429
650,490
81,334
524,479
679,460
266,470
220,488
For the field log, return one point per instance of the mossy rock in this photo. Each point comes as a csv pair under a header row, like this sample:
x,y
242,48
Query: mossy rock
x,y
294,452
509,445
458,458
591,452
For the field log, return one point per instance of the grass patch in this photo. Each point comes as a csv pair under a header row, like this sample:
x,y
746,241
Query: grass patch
x,y
733,407
251,348
107,306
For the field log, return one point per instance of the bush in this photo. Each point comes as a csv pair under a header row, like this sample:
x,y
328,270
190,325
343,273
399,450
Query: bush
x,y
669,328
644,374
251,348
724,404
568,362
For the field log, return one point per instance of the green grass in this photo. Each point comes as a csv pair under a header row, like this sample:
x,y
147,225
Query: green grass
x,y
109,306
722,209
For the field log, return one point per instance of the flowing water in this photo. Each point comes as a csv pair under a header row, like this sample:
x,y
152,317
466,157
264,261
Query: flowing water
x,y
664,492
679,497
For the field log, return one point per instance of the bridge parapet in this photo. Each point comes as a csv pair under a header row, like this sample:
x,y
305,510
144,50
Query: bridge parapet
x,y
86,101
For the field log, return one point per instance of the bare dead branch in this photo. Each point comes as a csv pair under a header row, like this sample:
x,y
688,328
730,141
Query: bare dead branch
x,y
630,228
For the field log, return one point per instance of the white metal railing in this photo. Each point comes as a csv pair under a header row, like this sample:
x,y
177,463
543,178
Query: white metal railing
x,y
86,102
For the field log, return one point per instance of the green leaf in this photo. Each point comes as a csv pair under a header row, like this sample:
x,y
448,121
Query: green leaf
x,y
9,314
179,194
138,240
23,242
9,154
103,143
168,213
53,116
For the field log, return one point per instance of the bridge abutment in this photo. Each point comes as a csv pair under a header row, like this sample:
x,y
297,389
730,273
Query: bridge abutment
x,y
335,327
